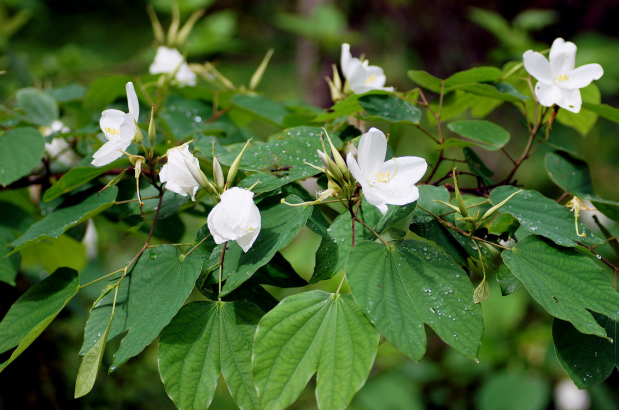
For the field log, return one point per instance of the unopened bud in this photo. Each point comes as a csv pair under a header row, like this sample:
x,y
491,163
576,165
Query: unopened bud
x,y
152,127
334,91
138,167
323,158
342,165
114,181
495,208
218,174
352,149
138,137
336,81
196,172
258,74
459,199
232,171
331,166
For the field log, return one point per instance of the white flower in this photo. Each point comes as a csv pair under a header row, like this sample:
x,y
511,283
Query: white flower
x,y
235,218
558,79
176,173
389,182
167,60
360,75
59,148
119,128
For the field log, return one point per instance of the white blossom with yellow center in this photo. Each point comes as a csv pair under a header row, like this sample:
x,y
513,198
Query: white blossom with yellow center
x,y
119,129
359,74
235,218
385,182
558,79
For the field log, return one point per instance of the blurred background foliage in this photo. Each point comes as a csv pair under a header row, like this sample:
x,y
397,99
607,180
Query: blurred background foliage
x,y
56,42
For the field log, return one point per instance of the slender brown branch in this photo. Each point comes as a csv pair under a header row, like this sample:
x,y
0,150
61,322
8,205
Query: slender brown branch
x,y
373,231
562,197
600,257
427,133
221,269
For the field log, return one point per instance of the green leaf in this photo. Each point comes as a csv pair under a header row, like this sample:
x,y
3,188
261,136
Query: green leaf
x,y
313,332
564,281
425,80
66,93
262,108
184,118
513,390
20,152
402,287
148,297
587,359
455,142
437,233
202,340
488,135
499,91
585,119
280,223
388,107
473,75
336,244
104,91
8,266
347,107
279,273
604,110
87,374
573,176
543,216
508,282
73,211
429,193
79,176
40,108
477,166
35,310
317,221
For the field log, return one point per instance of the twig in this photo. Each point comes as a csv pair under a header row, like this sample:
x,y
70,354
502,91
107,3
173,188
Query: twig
x,y
600,257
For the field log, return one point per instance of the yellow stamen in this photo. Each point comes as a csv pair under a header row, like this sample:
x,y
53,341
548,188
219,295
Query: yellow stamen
x,y
370,79
562,78
383,177
113,131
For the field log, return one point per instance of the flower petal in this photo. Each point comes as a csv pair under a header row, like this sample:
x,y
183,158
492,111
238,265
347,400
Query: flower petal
x,y
132,101
582,76
537,65
371,151
547,94
185,76
246,241
212,219
354,168
166,60
407,169
374,198
562,57
571,100
110,123
106,154
397,193
345,58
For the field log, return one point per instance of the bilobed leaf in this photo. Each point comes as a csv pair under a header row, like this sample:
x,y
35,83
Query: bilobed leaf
x,y
184,118
488,135
87,374
508,282
40,108
262,108
437,233
543,216
73,211
402,287
317,221
426,201
585,119
336,243
79,176
604,110
313,332
66,93
387,107
565,282
280,223
21,150
35,310
279,273
202,340
148,297
587,359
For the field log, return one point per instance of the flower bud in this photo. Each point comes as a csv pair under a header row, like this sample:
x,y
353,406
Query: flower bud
x,y
334,91
196,172
331,165
342,165
138,137
495,208
114,181
337,83
352,149
258,74
459,199
232,171
152,128
218,174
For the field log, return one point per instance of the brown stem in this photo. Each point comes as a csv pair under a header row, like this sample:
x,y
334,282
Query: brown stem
x,y
221,269
600,257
